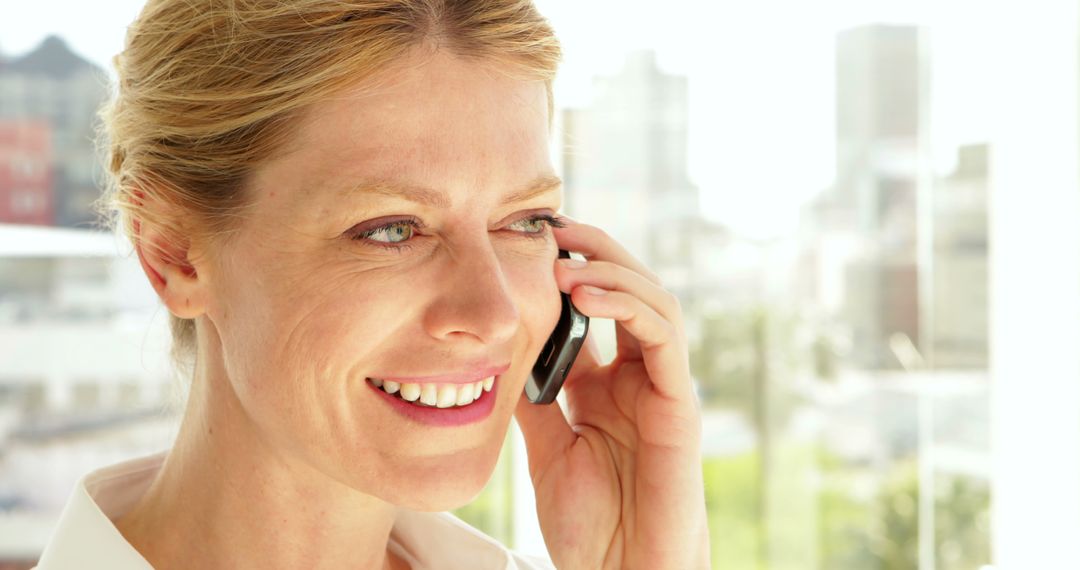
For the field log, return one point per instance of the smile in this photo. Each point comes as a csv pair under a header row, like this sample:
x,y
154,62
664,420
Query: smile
x,y
437,395
439,404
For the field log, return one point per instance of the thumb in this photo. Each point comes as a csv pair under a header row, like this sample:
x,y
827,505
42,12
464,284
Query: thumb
x,y
546,432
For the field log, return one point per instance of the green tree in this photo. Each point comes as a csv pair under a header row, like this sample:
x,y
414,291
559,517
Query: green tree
x,y
744,362
884,534
962,523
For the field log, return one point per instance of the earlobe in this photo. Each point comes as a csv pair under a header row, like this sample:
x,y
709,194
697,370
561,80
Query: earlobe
x,y
166,264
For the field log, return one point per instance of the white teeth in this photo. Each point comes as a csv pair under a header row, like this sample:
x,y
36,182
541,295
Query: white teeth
x,y
464,394
447,396
437,395
410,392
429,394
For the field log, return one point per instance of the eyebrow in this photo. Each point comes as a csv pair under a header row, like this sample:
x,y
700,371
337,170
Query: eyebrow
x,y
429,197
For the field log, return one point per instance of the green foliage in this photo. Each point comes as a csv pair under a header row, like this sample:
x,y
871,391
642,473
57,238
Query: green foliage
x,y
962,523
896,544
724,361
730,501
825,357
747,352
878,531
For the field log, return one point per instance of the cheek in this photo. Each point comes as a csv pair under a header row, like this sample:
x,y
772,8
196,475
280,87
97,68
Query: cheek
x,y
330,320
539,301
282,325
298,351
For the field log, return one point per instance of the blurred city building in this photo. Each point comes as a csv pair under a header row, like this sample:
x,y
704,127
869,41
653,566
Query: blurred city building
x,y
910,297
960,263
865,224
49,88
26,172
85,378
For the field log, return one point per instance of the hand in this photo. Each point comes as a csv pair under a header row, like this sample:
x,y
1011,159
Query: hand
x,y
619,483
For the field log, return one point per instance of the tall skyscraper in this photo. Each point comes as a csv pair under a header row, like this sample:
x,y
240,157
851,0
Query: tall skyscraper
x,y
882,115
960,263
881,110
53,85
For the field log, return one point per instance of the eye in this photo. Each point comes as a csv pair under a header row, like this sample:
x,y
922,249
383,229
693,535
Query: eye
x,y
395,232
393,235
542,231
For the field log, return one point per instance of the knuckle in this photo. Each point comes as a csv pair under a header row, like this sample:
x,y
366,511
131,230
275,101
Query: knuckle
x,y
672,303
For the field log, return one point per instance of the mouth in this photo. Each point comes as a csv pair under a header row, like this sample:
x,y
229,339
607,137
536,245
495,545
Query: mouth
x,y
439,404
436,395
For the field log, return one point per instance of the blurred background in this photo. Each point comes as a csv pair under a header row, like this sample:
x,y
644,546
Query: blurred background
x,y
869,210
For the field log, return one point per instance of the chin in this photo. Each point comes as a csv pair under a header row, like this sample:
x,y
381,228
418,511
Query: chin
x,y
445,484
437,502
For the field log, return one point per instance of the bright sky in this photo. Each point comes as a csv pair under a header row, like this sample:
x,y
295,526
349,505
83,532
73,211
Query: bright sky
x,y
760,75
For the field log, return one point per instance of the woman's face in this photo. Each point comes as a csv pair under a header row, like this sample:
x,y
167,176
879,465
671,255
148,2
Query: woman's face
x,y
307,310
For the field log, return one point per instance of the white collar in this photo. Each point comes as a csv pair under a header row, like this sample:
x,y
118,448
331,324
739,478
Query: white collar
x,y
85,535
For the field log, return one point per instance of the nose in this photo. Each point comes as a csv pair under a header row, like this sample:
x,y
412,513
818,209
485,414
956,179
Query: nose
x,y
475,300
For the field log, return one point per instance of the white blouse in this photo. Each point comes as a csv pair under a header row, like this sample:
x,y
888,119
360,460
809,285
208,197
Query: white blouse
x,y
86,538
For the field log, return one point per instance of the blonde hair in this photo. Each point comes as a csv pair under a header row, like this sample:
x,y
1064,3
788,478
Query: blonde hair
x,y
208,90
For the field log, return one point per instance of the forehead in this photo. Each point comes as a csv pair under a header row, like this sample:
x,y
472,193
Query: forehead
x,y
434,120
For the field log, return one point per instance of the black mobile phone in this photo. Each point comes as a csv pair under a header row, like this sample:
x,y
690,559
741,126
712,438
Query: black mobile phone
x,y
550,370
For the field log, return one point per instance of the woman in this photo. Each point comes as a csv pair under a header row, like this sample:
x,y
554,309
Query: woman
x,y
349,211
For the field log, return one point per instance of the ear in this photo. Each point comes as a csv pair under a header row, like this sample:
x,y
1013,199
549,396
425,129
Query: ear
x,y
167,264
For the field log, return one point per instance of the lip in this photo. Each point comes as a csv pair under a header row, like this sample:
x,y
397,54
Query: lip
x,y
452,416
465,377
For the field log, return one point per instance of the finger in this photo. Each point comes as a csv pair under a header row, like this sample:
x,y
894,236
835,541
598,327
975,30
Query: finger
x,y
663,348
612,276
594,243
546,432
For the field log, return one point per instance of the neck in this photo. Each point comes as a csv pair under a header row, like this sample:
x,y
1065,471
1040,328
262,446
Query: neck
x,y
245,503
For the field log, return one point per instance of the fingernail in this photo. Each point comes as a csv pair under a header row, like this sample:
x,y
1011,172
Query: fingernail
x,y
571,263
594,290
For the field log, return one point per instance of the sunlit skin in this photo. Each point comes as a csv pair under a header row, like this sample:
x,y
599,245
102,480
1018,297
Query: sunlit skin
x,y
285,459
